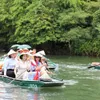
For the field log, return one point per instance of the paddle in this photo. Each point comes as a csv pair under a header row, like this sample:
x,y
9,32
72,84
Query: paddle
x,y
50,62
90,67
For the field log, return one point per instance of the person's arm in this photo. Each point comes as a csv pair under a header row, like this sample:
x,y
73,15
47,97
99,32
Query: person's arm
x,y
5,67
15,71
38,68
16,68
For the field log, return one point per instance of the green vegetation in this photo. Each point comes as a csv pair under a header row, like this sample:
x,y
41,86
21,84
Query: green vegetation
x,y
58,26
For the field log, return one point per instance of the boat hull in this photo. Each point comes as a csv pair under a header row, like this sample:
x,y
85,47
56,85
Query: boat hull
x,y
34,83
95,67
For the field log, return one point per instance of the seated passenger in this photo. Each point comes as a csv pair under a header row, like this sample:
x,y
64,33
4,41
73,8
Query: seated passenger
x,y
95,64
39,67
22,67
9,64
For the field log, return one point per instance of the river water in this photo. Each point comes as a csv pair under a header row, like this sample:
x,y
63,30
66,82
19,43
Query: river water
x,y
81,83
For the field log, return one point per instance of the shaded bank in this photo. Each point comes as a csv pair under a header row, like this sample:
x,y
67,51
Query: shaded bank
x,y
61,48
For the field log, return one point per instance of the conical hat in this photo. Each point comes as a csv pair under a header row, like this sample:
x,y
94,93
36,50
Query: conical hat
x,y
11,52
42,52
37,55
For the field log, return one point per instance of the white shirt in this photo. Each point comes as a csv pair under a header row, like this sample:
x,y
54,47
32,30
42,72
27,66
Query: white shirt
x,y
22,67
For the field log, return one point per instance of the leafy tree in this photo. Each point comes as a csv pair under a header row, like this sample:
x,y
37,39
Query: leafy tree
x,y
73,23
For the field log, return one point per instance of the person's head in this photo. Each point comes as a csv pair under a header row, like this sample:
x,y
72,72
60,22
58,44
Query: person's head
x,y
34,51
20,50
25,50
43,59
12,54
37,57
24,56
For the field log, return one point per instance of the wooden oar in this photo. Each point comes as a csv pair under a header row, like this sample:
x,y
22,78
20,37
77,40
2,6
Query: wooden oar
x,y
90,67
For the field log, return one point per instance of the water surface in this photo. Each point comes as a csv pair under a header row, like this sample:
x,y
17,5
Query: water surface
x,y
80,83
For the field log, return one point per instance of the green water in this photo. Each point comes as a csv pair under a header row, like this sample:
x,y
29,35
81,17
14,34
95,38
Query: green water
x,y
80,83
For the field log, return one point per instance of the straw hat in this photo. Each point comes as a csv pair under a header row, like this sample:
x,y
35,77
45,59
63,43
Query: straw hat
x,y
11,52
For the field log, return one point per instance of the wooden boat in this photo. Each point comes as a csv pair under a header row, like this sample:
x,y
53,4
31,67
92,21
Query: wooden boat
x,y
33,83
53,66
94,66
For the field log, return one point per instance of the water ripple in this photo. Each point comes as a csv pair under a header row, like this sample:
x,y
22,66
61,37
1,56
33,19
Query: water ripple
x,y
70,82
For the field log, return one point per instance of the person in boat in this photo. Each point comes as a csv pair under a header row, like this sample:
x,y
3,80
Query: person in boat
x,y
42,52
95,64
22,67
32,52
39,67
44,62
10,63
45,65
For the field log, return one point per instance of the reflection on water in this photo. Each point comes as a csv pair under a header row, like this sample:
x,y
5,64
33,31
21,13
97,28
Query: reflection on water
x,y
9,93
70,82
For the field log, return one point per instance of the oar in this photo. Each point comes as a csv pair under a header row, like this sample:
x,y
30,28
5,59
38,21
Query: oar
x,y
17,77
51,62
90,67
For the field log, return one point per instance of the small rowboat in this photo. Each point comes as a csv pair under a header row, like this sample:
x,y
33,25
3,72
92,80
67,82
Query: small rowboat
x,y
33,83
95,67
53,66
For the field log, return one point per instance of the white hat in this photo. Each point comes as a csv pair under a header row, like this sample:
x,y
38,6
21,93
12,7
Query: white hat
x,y
42,52
37,55
27,53
11,52
30,51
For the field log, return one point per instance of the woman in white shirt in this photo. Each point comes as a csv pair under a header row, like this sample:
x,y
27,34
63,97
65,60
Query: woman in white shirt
x,y
22,66
10,63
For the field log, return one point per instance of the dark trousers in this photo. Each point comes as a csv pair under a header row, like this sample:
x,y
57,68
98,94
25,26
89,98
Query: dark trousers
x,y
10,73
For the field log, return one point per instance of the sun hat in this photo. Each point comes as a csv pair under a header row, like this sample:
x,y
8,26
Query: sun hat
x,y
43,58
25,50
37,55
24,53
11,52
30,51
42,52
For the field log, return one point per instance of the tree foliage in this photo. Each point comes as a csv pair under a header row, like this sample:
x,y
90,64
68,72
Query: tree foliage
x,y
76,23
